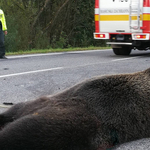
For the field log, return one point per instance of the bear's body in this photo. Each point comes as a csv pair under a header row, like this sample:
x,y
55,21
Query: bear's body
x,y
93,115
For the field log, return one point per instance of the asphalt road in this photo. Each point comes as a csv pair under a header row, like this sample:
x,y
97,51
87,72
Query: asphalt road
x,y
27,77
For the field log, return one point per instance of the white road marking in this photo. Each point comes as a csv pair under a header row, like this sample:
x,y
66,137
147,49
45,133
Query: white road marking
x,y
33,55
4,106
59,68
121,59
89,51
30,72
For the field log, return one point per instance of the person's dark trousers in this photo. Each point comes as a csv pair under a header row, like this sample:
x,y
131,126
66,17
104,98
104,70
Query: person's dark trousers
x,y
2,46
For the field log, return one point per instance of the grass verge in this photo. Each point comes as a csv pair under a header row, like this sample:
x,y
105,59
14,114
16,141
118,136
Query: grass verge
x,y
36,51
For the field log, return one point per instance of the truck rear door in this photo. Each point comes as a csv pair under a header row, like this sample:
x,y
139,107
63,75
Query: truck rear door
x,y
120,15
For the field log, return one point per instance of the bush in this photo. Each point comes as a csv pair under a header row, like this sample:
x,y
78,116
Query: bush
x,y
56,24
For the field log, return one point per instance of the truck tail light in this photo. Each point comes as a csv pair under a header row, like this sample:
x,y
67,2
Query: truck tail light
x,y
140,36
99,35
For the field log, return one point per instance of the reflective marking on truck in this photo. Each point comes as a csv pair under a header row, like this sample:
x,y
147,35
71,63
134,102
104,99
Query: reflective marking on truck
x,y
97,18
119,17
146,10
146,17
96,10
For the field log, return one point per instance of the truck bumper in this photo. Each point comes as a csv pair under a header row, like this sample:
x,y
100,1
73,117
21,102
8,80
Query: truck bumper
x,y
119,43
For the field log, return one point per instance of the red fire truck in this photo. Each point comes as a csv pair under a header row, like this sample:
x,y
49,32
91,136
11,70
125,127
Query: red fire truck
x,y
126,23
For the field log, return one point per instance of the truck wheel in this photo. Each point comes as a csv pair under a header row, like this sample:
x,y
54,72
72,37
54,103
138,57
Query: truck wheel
x,y
116,51
122,51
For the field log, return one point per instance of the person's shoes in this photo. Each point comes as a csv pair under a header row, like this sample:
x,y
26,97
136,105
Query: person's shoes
x,y
3,57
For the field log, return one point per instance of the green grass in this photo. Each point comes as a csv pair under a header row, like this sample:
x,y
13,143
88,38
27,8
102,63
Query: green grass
x,y
36,51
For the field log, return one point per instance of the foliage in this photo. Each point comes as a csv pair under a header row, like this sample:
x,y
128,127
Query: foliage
x,y
49,23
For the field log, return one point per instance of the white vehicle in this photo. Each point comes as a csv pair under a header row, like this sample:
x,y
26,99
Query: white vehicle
x,y
126,23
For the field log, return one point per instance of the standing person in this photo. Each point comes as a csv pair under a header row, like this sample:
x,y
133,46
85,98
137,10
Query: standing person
x,y
3,30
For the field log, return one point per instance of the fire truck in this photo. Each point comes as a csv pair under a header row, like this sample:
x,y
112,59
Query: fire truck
x,y
125,24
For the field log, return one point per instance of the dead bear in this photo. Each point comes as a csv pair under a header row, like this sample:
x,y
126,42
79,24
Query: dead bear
x,y
93,115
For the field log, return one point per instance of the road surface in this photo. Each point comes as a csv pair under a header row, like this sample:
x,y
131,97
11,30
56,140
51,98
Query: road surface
x,y
27,77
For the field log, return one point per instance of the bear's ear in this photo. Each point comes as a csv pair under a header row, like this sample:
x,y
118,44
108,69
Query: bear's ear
x,y
147,71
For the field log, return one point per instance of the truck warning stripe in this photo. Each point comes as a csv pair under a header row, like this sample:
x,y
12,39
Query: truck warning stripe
x,y
114,17
146,17
96,17
146,10
97,24
146,3
96,3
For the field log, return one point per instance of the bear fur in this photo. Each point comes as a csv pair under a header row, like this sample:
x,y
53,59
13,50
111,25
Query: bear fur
x,y
95,114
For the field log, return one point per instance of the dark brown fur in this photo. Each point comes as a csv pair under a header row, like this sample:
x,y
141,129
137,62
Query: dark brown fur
x,y
93,115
